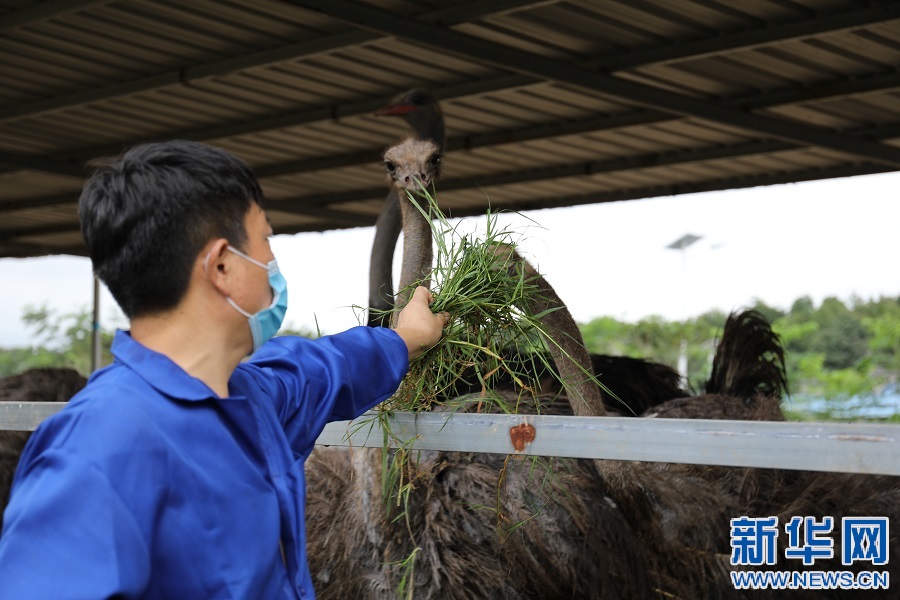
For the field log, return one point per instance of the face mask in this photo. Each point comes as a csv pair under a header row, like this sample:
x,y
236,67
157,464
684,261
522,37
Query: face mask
x,y
265,323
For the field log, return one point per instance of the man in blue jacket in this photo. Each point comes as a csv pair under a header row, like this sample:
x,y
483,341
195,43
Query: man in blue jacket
x,y
178,471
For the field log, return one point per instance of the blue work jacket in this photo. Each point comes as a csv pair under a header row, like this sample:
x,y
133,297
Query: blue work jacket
x,y
148,485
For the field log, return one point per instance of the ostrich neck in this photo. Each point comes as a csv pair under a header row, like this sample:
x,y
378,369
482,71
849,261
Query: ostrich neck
x,y
566,346
387,231
572,359
417,251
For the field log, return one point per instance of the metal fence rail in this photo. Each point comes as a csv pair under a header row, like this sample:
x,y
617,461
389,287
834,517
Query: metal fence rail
x,y
852,448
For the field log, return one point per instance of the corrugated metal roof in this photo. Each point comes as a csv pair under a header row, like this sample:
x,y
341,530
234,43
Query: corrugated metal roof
x,y
546,103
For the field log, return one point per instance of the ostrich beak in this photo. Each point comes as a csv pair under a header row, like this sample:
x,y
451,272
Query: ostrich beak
x,y
415,184
396,110
412,182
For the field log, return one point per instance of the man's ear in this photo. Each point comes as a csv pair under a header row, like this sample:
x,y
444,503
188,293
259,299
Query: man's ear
x,y
216,263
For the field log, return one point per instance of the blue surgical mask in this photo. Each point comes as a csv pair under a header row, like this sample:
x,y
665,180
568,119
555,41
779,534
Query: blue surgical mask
x,y
265,323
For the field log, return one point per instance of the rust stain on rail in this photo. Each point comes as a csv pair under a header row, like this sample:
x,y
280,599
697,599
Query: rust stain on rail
x,y
522,435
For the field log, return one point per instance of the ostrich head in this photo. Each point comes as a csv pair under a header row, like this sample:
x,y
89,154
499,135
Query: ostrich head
x,y
421,111
412,165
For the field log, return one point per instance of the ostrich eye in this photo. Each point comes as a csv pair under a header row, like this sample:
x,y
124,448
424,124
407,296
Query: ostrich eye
x,y
391,167
435,160
418,99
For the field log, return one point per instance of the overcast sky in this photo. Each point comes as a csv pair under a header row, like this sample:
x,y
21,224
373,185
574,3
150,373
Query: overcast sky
x,y
838,237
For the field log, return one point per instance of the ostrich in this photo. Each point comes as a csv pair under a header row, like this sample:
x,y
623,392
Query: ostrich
x,y
421,111
601,529
36,385
350,531
461,553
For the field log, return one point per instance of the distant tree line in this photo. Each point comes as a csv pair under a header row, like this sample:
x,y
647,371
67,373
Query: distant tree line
x,y
63,339
59,340
833,350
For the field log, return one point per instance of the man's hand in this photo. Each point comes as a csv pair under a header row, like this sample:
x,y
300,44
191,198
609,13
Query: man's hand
x,y
417,325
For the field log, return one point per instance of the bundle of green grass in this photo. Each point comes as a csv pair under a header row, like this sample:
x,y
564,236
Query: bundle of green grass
x,y
492,337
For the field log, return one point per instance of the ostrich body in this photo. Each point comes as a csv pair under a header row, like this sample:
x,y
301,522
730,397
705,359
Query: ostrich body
x,y
449,484
35,385
421,112
446,482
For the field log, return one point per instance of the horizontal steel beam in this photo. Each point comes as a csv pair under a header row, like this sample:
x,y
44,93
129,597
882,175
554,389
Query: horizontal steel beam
x,y
836,447
285,119
44,11
37,230
677,189
731,183
314,204
767,33
302,203
34,162
497,55
292,51
29,250
720,42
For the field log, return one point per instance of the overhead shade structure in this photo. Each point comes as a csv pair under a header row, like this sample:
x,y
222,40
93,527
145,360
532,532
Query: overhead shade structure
x,y
548,103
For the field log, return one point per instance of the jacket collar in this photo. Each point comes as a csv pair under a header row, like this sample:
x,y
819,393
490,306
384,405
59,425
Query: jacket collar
x,y
158,370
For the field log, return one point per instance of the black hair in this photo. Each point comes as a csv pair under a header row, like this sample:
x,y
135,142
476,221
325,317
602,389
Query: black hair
x,y
147,215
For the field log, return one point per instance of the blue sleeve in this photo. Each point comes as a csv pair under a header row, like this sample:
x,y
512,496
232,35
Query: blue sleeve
x,y
333,378
67,534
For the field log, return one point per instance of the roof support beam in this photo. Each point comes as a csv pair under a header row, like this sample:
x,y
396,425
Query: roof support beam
x,y
654,192
67,165
469,142
312,205
290,119
37,230
526,63
517,176
730,183
734,41
45,164
590,125
447,16
751,38
347,218
43,11
335,219
8,206
27,250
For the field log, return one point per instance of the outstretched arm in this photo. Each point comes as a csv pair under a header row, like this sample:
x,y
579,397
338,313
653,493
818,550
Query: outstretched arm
x,y
417,325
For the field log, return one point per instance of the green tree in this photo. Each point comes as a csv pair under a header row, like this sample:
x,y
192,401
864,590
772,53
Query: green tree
x,y
64,340
831,351
802,308
59,340
769,312
840,336
882,322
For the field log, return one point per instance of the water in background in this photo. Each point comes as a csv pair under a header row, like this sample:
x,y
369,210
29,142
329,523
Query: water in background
x,y
871,406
